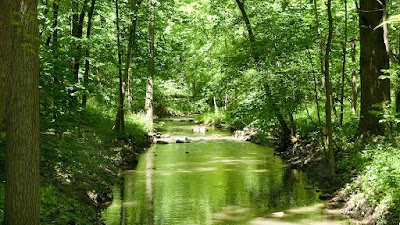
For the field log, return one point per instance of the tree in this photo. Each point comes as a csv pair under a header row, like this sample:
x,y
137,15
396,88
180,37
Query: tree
x,y
150,65
77,32
285,128
328,92
123,77
87,62
120,119
373,59
344,48
19,62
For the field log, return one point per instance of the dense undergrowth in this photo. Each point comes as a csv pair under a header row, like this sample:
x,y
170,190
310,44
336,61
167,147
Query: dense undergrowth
x,y
367,183
80,160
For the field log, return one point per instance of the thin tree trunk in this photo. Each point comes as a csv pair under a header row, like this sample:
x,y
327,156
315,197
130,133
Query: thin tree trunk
x,y
215,105
134,5
328,93
150,65
20,62
54,46
343,65
55,22
77,32
386,40
119,123
275,109
45,14
226,102
321,130
322,71
240,4
389,50
87,62
353,81
321,43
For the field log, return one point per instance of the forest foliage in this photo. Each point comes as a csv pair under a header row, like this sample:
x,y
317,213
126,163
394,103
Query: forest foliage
x,y
266,73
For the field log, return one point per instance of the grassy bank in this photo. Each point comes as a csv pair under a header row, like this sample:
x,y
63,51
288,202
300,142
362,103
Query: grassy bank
x,y
80,163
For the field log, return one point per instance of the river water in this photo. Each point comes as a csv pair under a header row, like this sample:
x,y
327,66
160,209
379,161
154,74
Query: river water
x,y
214,180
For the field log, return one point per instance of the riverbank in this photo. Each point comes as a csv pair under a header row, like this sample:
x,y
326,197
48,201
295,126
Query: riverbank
x,y
366,185
81,158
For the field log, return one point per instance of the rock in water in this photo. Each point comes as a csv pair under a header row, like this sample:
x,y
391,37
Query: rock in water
x,y
200,129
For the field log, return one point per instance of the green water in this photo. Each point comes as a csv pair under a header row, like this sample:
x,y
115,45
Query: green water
x,y
214,182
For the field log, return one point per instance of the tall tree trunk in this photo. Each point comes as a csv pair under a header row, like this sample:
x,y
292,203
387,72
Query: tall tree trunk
x,y
278,114
55,72
373,59
20,62
123,77
353,81
316,98
328,93
55,22
6,51
389,50
241,6
77,32
321,42
87,62
343,65
134,5
322,71
120,119
150,65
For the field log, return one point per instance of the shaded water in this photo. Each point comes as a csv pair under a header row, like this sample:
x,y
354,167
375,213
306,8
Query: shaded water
x,y
214,182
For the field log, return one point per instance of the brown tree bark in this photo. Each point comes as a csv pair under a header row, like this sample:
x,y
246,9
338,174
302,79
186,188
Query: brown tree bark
x,y
373,59
328,93
20,62
6,51
150,65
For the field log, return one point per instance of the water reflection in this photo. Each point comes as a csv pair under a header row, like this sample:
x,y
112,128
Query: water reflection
x,y
216,182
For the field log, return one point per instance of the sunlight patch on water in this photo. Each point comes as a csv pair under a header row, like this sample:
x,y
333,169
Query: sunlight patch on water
x,y
231,213
313,214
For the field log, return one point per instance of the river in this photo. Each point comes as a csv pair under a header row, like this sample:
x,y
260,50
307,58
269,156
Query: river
x,y
214,180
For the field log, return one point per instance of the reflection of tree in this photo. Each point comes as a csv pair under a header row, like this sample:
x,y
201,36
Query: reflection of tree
x,y
149,188
291,191
213,179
